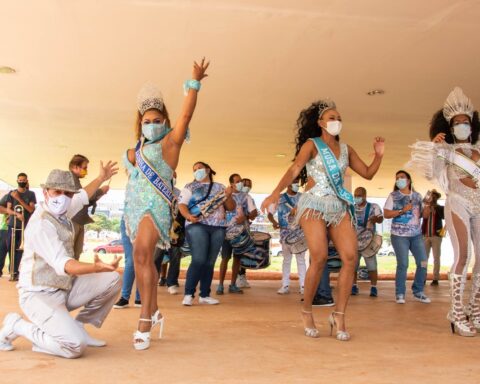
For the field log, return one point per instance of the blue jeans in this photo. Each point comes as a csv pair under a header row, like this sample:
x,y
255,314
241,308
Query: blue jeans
x,y
324,286
129,271
401,245
205,242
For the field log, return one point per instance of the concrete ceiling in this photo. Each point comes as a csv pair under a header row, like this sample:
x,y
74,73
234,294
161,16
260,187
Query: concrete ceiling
x,y
80,65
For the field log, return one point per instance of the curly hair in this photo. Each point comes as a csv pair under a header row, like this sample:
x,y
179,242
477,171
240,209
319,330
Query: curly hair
x,y
307,126
440,125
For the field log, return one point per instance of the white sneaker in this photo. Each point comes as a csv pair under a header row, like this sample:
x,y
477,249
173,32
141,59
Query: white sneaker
x,y
422,298
301,290
400,299
7,334
284,290
242,282
187,300
173,290
208,300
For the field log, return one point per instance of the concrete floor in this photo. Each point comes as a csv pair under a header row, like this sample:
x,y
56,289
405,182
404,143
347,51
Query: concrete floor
x,y
258,338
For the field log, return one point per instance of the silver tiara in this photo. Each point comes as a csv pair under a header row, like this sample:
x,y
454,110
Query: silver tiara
x,y
457,103
325,105
149,97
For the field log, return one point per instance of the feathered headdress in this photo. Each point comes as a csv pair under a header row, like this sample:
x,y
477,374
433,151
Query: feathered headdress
x,y
149,97
457,103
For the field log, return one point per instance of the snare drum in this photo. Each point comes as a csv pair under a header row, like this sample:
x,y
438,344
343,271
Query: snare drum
x,y
296,240
369,243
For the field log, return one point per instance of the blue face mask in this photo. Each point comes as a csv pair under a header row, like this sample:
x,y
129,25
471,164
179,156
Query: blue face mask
x,y
358,200
155,131
200,174
239,186
246,189
295,187
401,183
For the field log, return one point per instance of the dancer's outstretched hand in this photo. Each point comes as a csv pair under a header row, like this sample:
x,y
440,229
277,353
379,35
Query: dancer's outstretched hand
x,y
272,199
379,146
439,138
200,69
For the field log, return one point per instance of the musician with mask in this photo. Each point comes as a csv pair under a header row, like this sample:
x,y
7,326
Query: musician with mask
x,y
21,197
286,214
52,282
203,203
238,218
368,215
242,281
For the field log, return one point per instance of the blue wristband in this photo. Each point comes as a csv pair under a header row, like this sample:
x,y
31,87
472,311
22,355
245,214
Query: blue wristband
x,y
191,84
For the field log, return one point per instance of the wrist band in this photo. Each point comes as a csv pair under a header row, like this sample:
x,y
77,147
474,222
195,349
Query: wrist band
x,y
191,84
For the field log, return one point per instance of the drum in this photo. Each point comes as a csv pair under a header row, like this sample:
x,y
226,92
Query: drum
x,y
185,249
296,240
240,239
262,240
369,243
333,259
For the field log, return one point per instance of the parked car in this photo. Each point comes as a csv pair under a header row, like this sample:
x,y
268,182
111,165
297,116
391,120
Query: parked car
x,y
275,247
114,246
386,251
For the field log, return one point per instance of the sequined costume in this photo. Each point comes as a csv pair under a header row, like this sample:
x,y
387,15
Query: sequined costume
x,y
142,199
462,202
321,201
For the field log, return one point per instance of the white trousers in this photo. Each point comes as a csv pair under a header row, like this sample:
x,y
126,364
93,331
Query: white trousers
x,y
52,330
287,263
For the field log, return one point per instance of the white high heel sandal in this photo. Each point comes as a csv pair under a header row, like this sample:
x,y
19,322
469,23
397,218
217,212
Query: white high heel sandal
x,y
143,336
310,332
340,335
158,321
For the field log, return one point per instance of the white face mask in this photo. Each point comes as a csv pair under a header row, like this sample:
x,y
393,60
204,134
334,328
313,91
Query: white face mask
x,y
462,131
58,205
295,187
334,127
246,189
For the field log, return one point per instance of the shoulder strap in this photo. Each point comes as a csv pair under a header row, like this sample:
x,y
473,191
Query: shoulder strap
x,y
210,186
289,201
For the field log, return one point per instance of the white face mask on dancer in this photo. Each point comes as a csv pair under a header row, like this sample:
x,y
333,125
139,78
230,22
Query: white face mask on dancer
x,y
334,127
462,131
58,205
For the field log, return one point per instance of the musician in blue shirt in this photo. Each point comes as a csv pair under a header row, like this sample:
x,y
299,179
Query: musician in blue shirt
x,y
367,215
286,213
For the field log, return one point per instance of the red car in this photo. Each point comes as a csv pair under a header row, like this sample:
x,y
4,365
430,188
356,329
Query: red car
x,y
114,246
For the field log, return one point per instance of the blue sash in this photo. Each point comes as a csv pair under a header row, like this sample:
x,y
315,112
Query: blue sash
x,y
334,174
160,185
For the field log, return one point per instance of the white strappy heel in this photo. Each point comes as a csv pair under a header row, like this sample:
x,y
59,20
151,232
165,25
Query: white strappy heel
x,y
340,335
158,321
311,332
143,336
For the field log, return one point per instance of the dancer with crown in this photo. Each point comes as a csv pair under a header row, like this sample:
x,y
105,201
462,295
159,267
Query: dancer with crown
x,y
149,198
452,159
327,208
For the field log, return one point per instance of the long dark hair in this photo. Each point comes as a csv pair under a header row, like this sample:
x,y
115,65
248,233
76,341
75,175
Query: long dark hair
x,y
440,125
395,188
211,173
307,126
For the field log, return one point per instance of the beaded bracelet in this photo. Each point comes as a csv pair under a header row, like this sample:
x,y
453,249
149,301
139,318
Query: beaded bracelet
x,y
191,84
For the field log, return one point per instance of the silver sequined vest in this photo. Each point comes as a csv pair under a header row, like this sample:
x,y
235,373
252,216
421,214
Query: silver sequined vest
x,y
43,274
